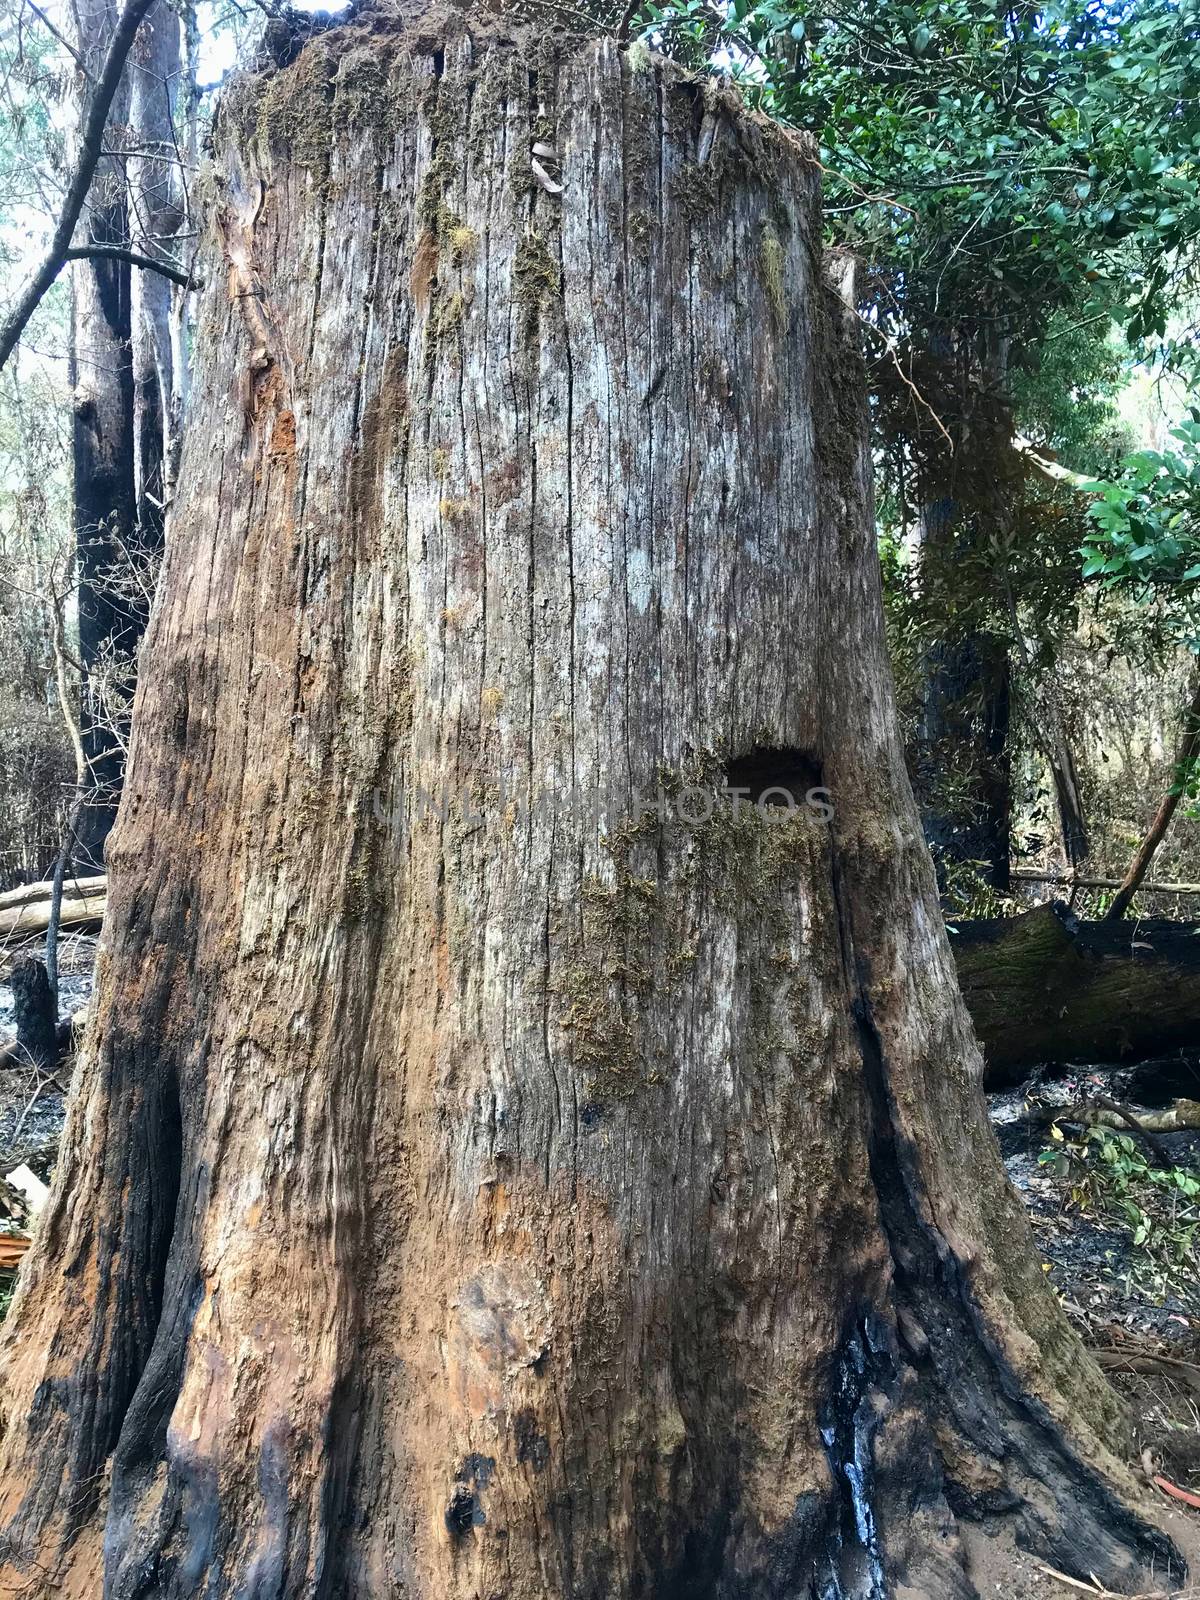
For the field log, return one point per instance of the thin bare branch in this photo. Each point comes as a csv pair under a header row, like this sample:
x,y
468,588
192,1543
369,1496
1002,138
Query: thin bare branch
x,y
116,252
61,37
119,47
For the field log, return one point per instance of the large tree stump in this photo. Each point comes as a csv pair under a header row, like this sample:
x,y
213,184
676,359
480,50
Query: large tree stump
x,y
490,1199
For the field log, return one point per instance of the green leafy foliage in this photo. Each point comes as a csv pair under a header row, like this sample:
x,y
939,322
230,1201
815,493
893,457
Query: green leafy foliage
x,y
1144,542
1144,534
1019,181
1157,1209
991,162
1065,392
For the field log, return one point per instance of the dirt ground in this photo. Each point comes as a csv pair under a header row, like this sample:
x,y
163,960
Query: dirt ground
x,y
998,1567
1103,1276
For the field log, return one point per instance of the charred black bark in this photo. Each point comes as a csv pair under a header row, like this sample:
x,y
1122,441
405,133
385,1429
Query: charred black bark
x,y
35,1014
1018,1465
963,763
119,1272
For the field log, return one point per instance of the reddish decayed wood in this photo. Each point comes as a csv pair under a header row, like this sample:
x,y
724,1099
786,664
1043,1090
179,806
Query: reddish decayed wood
x,y
12,1247
1188,1497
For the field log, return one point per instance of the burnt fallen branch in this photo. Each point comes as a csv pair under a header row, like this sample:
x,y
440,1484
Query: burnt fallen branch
x,y
1101,1112
1182,1114
1048,988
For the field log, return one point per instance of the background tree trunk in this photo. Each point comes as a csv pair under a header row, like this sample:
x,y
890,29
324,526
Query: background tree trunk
x,y
964,757
128,394
104,497
490,1200
963,765
156,213
1071,818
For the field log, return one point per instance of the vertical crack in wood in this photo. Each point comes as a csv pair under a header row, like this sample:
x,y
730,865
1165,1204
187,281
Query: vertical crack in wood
x,y
966,1380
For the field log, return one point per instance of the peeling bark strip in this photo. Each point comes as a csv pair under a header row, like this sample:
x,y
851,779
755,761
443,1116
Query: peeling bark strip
x,y
491,1205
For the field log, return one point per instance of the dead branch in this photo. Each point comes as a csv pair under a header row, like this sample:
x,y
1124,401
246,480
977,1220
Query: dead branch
x,y
61,37
41,1083
1096,1589
1182,1372
1070,881
1189,749
116,252
1102,1112
52,262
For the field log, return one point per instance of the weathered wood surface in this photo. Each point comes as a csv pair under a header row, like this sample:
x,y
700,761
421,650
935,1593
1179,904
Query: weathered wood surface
x,y
1045,987
520,1202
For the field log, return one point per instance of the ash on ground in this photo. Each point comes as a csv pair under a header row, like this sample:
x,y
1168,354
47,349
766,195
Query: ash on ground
x,y
32,1102
1113,1284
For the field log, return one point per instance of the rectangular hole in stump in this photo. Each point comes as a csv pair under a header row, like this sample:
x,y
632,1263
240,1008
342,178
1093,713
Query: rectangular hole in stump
x,y
769,768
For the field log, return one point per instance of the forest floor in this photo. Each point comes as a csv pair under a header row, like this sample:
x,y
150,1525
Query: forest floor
x,y
1120,1237
1119,1234
33,1103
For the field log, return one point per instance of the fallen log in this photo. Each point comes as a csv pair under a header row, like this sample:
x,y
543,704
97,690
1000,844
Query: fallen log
x,y
33,893
1048,988
32,916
